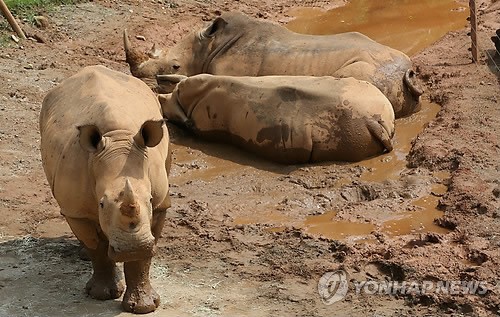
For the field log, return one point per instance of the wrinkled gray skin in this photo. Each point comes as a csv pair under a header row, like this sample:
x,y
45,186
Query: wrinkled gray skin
x,y
237,45
105,152
286,119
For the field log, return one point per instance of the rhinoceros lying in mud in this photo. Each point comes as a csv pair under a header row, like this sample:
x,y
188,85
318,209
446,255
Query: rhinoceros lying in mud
x,y
104,149
237,45
287,119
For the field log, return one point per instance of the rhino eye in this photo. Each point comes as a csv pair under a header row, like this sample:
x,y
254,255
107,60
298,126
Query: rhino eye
x,y
101,204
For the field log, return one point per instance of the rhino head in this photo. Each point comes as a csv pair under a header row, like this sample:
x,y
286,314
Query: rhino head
x,y
123,189
190,56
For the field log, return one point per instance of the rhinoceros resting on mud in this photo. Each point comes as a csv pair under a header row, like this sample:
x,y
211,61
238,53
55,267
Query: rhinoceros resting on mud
x,y
104,149
287,119
237,45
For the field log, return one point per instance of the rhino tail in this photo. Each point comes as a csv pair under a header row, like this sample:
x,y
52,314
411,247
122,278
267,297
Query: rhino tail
x,y
380,131
133,57
411,83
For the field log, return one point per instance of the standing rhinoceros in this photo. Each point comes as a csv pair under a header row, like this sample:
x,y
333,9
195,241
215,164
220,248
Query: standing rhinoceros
x,y
237,45
287,119
104,149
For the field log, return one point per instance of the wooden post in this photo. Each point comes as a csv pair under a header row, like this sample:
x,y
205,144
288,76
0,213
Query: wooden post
x,y
12,21
473,30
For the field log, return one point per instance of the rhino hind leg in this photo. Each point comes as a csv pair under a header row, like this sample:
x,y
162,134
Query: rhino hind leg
x,y
140,297
380,133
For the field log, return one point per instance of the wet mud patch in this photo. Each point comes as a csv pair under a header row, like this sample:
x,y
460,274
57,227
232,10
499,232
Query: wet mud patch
x,y
239,237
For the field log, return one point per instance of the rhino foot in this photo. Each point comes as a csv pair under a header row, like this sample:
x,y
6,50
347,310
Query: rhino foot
x,y
104,288
141,300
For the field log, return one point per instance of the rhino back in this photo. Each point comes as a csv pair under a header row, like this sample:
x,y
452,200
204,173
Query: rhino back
x,y
270,115
99,96
290,119
361,127
266,48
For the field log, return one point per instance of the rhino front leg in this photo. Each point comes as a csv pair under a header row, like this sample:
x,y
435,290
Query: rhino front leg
x,y
140,297
106,281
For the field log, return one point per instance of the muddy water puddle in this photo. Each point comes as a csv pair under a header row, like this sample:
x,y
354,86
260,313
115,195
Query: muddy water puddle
x,y
421,220
389,165
406,25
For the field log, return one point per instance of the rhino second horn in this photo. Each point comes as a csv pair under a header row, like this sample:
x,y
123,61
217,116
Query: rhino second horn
x,y
154,52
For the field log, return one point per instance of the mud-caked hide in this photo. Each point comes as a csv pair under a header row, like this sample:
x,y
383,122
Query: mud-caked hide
x,y
238,45
287,119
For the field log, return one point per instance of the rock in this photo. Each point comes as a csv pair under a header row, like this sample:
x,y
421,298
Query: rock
x,y
496,192
140,37
41,22
39,38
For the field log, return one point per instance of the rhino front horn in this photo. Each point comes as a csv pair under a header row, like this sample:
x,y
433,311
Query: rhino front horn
x,y
128,193
129,207
133,57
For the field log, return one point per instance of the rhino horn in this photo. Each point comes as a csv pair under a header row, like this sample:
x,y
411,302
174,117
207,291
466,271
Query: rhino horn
x,y
133,57
154,52
129,206
128,193
170,79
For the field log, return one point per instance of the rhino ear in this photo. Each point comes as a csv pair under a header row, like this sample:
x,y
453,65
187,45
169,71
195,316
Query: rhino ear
x,y
217,25
150,134
90,138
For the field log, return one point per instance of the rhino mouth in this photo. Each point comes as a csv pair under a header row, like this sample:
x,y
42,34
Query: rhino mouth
x,y
141,253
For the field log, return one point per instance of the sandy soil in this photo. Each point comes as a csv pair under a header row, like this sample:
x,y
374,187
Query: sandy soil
x,y
235,241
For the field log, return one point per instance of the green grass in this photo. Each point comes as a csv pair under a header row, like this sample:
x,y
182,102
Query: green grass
x,y
26,9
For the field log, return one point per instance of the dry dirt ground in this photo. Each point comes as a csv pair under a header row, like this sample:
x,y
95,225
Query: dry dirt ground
x,y
234,242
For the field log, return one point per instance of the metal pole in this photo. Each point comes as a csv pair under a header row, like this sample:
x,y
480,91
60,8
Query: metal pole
x,y
473,30
12,21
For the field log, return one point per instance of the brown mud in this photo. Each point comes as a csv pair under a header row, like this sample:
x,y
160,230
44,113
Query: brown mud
x,y
248,237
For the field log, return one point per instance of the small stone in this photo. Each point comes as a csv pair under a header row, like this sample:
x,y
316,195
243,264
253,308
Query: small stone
x,y
496,192
29,66
140,37
41,21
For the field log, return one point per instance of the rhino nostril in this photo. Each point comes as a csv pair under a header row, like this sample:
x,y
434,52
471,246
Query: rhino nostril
x,y
176,67
132,225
